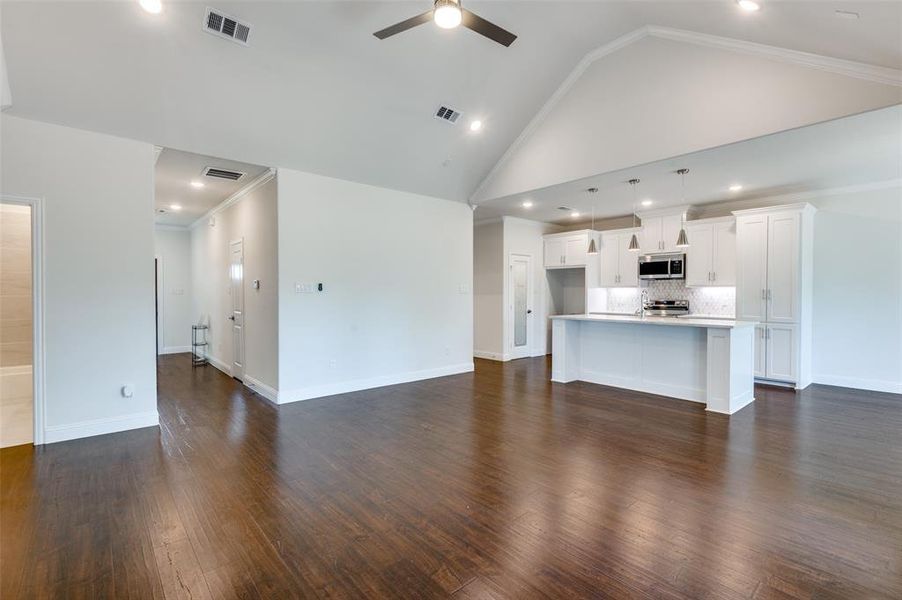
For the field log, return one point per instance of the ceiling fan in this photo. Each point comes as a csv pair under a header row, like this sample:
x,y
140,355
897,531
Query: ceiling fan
x,y
448,14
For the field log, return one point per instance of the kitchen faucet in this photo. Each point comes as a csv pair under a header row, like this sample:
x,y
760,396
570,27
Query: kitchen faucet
x,y
643,300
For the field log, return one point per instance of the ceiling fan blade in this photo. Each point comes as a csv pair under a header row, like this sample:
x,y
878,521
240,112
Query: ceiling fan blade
x,y
488,29
404,25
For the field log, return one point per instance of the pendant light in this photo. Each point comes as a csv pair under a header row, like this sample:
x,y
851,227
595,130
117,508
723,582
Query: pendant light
x,y
634,241
682,239
593,248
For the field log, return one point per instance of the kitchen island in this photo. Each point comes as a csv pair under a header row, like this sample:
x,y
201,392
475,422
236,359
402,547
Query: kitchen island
x,y
703,360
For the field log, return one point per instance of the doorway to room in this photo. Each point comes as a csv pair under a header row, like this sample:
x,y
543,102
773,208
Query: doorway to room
x,y
20,422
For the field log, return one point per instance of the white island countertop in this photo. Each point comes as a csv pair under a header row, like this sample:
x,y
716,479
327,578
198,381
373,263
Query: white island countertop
x,y
666,321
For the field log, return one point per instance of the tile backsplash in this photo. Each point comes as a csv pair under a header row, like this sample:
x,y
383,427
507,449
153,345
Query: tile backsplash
x,y
719,301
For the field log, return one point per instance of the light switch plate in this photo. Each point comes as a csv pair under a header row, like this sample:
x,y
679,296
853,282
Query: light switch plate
x,y
464,288
303,288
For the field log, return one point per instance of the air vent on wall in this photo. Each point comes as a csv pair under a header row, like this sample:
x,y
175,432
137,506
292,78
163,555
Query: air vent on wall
x,y
222,25
567,208
223,173
447,114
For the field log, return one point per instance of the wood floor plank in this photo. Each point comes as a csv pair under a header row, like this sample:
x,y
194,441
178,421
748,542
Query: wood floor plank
x,y
495,484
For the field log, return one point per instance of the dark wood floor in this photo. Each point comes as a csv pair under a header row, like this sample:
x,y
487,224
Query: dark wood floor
x,y
497,484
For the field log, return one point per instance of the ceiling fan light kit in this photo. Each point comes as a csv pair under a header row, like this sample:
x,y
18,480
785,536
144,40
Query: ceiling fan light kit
x,y
448,14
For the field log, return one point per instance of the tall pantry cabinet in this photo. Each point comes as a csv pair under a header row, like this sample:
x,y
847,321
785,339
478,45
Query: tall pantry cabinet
x,y
774,248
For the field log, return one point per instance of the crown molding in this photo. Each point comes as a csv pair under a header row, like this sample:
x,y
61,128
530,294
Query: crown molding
x,y
849,68
873,73
259,181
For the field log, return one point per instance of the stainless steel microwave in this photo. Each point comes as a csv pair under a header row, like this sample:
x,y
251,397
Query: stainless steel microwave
x,y
662,266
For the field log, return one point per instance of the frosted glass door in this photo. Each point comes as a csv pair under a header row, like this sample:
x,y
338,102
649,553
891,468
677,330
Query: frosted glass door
x,y
520,312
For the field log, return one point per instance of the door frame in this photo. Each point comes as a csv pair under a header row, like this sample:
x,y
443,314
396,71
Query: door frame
x,y
243,334
525,351
158,293
37,308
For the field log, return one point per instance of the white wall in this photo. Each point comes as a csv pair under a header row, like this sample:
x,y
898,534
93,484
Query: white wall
x,y
488,290
253,218
857,337
657,99
172,247
397,272
97,192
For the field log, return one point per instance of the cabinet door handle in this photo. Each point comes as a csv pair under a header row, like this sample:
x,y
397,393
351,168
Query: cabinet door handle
x,y
713,275
769,295
764,294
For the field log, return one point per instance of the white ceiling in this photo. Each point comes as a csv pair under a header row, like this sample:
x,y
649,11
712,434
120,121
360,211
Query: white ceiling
x,y
853,150
316,91
173,174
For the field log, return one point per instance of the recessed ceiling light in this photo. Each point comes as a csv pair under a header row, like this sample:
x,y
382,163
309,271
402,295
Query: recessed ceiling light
x,y
197,184
526,204
175,206
748,5
447,14
846,14
574,214
152,6
736,187
647,203
475,125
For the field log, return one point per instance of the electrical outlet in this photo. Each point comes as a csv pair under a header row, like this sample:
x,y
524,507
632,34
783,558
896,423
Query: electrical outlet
x,y
464,288
333,364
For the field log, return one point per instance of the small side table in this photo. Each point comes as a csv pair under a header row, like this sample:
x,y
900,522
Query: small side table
x,y
199,345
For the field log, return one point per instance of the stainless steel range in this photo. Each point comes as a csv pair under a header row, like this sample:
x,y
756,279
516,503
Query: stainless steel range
x,y
666,308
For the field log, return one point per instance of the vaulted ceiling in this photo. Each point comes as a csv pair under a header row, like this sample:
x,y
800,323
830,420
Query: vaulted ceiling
x,y
315,91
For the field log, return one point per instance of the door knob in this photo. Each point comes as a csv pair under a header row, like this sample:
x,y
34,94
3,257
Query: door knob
x,y
529,312
231,317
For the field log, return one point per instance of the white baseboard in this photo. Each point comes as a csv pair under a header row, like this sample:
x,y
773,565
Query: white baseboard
x,y
491,355
73,431
261,388
356,385
175,349
220,365
875,385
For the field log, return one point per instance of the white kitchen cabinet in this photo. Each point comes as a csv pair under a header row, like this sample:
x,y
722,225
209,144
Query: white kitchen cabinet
x,y
782,353
724,253
660,231
711,255
619,266
751,267
700,255
564,250
760,351
774,267
783,268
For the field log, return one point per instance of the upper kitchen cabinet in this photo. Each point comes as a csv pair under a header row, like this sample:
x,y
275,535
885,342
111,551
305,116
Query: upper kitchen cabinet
x,y
564,250
660,229
619,266
711,255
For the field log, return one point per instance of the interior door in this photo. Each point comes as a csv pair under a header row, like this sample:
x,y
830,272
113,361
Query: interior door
x,y
751,267
629,262
699,256
670,231
782,268
724,266
236,290
520,316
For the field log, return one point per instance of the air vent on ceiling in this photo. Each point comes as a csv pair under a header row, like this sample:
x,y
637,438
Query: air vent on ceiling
x,y
223,173
220,24
447,114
